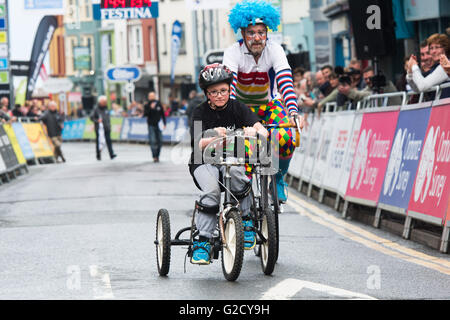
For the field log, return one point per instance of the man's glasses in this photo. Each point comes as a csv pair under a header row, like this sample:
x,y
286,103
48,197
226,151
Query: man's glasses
x,y
252,34
216,93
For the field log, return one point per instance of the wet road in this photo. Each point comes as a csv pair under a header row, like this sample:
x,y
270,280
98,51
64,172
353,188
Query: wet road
x,y
85,230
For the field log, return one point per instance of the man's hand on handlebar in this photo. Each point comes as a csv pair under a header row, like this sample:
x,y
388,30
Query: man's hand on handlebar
x,y
300,119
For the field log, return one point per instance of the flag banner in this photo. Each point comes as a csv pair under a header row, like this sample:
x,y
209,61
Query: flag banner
x,y
176,43
42,40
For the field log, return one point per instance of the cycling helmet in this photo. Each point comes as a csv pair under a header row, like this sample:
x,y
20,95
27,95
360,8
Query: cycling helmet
x,y
214,73
253,12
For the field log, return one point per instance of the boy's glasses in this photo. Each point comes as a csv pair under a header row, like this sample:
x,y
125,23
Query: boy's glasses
x,y
216,93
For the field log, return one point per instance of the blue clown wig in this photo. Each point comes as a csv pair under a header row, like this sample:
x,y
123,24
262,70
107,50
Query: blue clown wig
x,y
252,12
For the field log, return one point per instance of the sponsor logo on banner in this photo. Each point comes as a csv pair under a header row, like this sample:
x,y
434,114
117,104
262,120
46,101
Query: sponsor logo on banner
x,y
312,149
431,188
39,141
320,162
15,143
404,158
340,141
372,155
74,129
22,139
296,164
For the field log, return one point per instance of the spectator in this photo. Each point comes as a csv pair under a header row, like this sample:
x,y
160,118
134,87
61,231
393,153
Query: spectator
x,y
154,112
4,102
439,46
99,115
79,111
327,70
54,124
297,74
174,104
354,70
371,88
133,109
4,115
16,112
426,63
323,84
194,100
116,110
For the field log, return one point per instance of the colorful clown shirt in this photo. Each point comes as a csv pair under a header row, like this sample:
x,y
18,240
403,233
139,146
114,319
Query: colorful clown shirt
x,y
257,84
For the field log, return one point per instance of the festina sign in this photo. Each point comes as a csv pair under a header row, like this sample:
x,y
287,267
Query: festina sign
x,y
125,9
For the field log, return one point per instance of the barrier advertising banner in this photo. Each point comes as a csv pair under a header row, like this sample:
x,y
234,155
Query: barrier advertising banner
x,y
429,197
74,129
176,129
296,164
312,149
134,129
6,150
322,155
116,127
22,139
402,166
371,156
14,143
339,145
39,141
89,130
349,154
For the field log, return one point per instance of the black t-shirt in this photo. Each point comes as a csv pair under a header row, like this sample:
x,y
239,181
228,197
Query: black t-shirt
x,y
235,116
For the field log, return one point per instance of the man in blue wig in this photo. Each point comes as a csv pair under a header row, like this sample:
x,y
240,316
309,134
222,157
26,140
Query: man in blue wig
x,y
261,73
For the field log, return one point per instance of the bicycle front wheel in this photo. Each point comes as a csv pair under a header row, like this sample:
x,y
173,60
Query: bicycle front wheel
x,y
233,248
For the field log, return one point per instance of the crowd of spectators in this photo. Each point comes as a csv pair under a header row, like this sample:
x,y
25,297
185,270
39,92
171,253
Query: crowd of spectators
x,y
346,86
31,110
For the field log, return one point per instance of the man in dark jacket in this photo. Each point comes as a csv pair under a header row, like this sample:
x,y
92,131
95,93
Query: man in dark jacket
x,y
54,123
154,112
100,115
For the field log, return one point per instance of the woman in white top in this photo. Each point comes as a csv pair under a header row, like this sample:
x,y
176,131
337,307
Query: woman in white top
x,y
439,46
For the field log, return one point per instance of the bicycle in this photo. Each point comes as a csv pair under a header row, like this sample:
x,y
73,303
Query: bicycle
x,y
266,207
229,236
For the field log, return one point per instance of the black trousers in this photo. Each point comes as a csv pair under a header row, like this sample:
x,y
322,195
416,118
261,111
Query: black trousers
x,y
108,143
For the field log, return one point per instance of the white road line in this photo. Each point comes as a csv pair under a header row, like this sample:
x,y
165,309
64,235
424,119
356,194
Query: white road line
x,y
101,284
368,239
286,289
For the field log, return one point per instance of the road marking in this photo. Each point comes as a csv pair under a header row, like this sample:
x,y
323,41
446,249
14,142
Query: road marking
x,y
288,288
101,284
370,240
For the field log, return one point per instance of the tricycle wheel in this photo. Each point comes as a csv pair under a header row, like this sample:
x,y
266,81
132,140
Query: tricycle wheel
x,y
163,242
233,250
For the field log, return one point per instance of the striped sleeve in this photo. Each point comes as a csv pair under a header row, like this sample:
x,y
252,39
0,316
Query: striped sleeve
x,y
286,88
233,86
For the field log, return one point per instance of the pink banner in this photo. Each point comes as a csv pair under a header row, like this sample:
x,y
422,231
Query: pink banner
x,y
431,189
371,156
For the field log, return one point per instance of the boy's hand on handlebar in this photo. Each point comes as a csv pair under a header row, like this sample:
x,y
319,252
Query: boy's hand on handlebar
x,y
250,131
221,131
